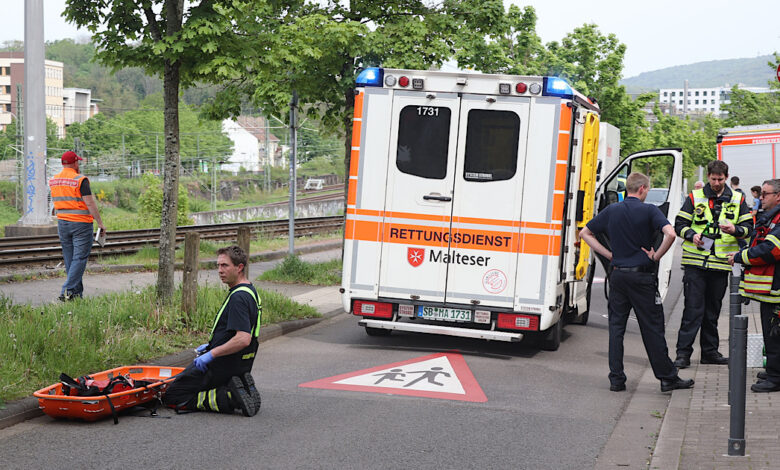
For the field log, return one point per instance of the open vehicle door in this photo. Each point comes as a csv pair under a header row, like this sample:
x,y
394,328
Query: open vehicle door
x,y
664,167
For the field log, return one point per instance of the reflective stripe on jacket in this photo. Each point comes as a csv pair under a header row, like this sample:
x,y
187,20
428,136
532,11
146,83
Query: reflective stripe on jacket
x,y
66,195
698,220
759,282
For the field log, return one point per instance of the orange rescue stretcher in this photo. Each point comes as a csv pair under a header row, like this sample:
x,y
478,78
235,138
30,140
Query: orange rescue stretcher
x,y
56,404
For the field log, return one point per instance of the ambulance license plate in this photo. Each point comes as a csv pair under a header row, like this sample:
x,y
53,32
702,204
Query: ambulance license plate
x,y
441,313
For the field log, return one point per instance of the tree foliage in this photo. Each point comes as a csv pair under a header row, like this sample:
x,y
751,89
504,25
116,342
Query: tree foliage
x,y
172,39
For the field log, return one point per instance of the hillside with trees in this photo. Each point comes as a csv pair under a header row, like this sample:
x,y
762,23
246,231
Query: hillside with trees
x,y
751,72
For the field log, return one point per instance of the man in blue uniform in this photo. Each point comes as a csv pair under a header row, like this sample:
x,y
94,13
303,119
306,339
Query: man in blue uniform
x,y
711,222
762,281
219,378
631,227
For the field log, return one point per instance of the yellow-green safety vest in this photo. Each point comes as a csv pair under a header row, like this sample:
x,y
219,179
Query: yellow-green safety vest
x,y
702,215
256,330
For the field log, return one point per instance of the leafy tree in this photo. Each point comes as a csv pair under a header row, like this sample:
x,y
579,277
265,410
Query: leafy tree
x,y
275,53
696,137
171,39
747,108
514,49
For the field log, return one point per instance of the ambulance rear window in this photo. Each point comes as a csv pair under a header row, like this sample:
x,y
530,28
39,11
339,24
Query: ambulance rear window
x,y
491,145
423,141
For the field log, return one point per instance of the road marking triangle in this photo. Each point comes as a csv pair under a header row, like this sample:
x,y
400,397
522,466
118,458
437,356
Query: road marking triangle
x,y
441,375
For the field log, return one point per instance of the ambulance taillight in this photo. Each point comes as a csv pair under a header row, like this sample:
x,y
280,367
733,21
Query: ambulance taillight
x,y
372,309
521,87
513,321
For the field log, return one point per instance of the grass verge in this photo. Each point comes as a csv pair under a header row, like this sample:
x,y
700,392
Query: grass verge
x,y
293,270
90,335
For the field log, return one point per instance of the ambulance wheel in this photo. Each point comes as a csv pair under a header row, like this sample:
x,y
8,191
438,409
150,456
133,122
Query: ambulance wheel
x,y
550,340
377,331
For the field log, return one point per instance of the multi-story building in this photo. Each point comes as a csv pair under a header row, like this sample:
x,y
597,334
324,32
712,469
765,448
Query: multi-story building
x,y
78,105
12,73
699,100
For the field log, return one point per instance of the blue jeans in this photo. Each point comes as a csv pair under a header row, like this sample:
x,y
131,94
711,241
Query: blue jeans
x,y
76,240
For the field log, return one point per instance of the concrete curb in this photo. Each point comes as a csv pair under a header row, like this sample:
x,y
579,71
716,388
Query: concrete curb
x,y
206,264
27,408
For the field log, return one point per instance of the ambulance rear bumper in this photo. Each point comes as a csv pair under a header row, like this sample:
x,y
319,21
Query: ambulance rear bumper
x,y
442,330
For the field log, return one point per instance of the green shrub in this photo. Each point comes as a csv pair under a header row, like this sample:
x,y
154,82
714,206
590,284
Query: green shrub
x,y
293,269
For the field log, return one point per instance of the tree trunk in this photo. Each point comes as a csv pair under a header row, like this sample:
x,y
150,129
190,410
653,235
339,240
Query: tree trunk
x,y
165,285
174,17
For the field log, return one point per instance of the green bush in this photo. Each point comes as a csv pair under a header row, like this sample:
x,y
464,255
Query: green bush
x,y
8,215
151,201
293,269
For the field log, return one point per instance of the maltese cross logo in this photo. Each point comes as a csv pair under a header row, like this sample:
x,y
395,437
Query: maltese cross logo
x,y
415,256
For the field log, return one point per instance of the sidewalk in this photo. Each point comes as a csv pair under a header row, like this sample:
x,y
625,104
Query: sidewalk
x,y
695,429
326,300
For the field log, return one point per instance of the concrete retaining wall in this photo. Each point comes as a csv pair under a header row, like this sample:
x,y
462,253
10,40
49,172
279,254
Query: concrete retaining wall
x,y
303,209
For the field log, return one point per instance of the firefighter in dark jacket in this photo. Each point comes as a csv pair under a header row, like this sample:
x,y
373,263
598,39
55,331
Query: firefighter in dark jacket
x,y
219,379
762,281
710,222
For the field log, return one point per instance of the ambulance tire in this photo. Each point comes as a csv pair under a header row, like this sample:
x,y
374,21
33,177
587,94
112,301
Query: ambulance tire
x,y
377,331
550,340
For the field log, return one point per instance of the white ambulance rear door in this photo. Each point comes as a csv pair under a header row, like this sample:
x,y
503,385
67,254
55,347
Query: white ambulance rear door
x,y
418,204
487,200
664,167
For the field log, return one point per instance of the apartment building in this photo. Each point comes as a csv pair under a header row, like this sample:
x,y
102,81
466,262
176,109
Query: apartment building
x,y
699,100
12,73
78,105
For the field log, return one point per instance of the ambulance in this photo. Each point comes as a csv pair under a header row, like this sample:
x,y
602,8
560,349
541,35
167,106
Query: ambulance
x,y
752,153
465,199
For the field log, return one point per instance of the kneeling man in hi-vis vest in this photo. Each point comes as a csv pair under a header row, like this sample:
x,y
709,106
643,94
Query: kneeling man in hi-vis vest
x,y
762,281
219,379
710,222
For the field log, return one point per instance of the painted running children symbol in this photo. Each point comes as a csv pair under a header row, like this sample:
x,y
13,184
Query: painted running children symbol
x,y
391,375
428,374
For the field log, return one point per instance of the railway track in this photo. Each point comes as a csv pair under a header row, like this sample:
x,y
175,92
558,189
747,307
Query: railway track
x,y
20,250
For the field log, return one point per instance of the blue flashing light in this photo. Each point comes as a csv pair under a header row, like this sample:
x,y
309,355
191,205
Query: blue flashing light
x,y
554,86
371,76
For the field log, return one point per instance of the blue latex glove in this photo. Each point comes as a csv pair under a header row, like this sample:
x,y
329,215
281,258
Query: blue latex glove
x,y
202,362
201,349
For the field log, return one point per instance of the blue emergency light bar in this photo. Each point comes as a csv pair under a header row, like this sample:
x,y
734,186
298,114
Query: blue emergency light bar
x,y
371,76
554,86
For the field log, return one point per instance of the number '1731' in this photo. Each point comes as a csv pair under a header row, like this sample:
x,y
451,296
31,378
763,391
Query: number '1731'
x,y
427,111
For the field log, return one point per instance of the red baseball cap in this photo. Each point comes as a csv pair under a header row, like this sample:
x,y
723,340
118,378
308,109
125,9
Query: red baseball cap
x,y
70,157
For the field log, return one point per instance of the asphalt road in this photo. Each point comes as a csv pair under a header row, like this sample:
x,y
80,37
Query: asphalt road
x,y
544,410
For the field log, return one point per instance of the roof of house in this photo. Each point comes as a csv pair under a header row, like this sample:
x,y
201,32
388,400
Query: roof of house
x,y
255,125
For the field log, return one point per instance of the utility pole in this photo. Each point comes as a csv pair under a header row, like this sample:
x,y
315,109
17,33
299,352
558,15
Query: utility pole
x,y
267,175
19,150
291,219
36,192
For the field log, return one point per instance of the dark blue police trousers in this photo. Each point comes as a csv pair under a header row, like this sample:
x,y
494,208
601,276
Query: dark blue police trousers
x,y
637,290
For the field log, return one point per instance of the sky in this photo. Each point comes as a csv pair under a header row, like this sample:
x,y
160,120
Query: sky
x,y
657,33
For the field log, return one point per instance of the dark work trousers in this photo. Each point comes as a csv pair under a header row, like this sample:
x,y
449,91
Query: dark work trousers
x,y
704,290
771,343
183,390
638,291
